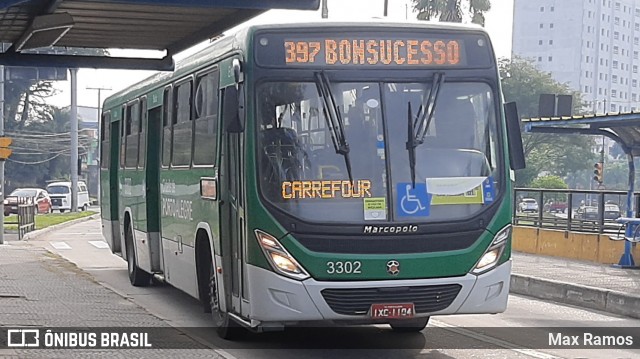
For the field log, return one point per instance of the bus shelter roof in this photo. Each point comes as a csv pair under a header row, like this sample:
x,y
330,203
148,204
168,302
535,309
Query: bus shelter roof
x,y
164,25
624,128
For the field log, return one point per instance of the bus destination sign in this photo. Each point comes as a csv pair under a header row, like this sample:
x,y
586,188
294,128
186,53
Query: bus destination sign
x,y
374,49
433,52
362,48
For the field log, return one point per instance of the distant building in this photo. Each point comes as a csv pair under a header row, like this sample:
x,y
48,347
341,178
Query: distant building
x,y
592,45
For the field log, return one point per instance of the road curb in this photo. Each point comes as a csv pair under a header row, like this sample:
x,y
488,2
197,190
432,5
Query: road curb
x,y
40,232
579,295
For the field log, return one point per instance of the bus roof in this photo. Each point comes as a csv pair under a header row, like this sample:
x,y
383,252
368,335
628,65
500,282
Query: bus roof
x,y
235,39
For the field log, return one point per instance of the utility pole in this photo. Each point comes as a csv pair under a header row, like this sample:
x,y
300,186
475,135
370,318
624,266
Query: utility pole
x,y
386,7
74,140
325,9
99,89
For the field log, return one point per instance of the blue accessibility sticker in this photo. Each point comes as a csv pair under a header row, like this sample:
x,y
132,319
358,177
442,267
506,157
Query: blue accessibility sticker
x,y
413,202
488,190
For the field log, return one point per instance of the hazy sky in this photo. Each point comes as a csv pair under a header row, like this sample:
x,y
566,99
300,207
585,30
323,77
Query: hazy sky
x,y
498,24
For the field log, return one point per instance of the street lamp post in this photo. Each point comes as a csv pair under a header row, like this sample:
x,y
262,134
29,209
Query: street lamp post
x,y
99,89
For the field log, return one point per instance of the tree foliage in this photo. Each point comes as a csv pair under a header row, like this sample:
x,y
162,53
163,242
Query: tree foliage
x,y
545,153
38,157
549,182
41,152
452,10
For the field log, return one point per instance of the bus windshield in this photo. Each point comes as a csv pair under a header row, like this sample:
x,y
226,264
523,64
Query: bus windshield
x,y
458,166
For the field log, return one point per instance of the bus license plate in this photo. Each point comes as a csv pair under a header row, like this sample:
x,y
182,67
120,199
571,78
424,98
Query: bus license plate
x,y
392,311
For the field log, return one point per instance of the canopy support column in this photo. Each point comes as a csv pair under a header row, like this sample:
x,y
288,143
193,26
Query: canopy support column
x,y
626,261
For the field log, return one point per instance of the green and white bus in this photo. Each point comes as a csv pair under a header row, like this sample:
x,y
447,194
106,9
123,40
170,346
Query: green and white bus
x,y
346,173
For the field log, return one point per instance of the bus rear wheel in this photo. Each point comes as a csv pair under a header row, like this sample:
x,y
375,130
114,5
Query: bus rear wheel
x,y
137,276
410,326
226,327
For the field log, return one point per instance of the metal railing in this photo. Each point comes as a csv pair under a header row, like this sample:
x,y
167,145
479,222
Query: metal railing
x,y
26,216
572,210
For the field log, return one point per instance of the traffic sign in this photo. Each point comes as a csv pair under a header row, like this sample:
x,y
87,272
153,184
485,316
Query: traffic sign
x,y
5,152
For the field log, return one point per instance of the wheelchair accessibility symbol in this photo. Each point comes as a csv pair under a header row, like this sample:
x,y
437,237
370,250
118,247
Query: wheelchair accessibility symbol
x,y
413,202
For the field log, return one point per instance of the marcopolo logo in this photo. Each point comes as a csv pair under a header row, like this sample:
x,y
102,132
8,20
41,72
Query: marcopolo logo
x,y
390,229
23,338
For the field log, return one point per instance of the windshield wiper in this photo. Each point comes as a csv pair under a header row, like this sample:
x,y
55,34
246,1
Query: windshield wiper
x,y
418,129
333,116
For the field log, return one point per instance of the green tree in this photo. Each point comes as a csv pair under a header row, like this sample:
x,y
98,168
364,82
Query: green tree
x,y
452,10
549,182
545,153
41,152
41,131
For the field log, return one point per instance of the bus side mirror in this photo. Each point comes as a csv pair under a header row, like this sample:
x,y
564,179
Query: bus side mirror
x,y
232,114
514,137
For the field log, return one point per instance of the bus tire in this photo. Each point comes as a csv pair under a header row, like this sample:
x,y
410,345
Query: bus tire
x,y
137,276
226,327
410,326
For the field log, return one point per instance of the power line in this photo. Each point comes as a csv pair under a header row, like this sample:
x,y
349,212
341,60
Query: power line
x,y
33,163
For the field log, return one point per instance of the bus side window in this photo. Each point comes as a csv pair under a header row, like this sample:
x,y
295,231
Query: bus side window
x,y
182,126
132,124
167,128
105,140
143,129
123,136
206,119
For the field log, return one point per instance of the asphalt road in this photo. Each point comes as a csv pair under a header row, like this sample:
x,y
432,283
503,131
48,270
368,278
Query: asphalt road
x,y
180,310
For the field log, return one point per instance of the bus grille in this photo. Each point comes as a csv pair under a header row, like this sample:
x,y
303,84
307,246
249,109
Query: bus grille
x,y
358,301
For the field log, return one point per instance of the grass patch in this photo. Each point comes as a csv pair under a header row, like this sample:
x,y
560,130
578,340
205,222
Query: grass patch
x,y
47,220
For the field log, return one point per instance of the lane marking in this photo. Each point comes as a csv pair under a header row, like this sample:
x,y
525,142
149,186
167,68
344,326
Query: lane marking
x,y
60,245
99,244
485,338
225,354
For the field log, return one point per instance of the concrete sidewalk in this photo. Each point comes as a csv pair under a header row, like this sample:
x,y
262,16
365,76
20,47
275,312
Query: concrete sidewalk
x,y
41,289
584,284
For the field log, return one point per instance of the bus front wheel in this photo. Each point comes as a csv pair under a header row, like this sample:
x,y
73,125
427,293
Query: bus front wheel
x,y
226,327
410,326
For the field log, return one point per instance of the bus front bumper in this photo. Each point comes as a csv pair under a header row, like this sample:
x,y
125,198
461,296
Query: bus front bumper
x,y
276,299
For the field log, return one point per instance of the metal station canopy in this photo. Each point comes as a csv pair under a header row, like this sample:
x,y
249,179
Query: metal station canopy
x,y
165,25
624,128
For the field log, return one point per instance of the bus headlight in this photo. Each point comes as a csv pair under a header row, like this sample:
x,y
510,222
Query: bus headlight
x,y
279,258
491,257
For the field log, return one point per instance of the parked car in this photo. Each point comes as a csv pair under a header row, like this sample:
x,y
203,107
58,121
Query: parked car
x,y
590,213
60,193
556,207
37,196
587,213
611,211
528,205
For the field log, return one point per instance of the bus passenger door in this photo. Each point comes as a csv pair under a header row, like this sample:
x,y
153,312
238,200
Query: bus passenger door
x,y
232,221
112,189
